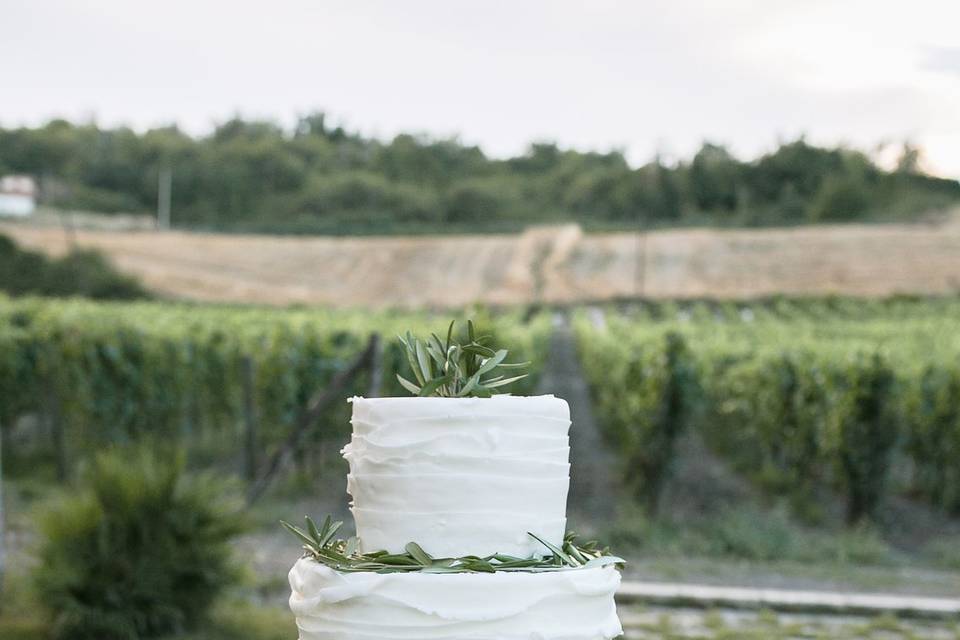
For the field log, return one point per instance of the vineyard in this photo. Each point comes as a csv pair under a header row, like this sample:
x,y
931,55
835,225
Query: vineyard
x,y
857,398
76,376
829,410
804,399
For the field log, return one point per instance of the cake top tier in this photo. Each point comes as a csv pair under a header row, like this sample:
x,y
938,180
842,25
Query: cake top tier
x,y
460,476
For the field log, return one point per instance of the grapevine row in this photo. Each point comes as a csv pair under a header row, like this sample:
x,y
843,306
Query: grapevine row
x,y
862,405
115,372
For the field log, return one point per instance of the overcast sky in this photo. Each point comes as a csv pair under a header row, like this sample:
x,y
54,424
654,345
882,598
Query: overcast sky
x,y
644,76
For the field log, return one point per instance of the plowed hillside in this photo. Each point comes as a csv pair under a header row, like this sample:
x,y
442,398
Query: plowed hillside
x,y
550,264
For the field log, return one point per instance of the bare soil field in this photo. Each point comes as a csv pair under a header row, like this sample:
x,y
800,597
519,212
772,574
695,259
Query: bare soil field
x,y
557,264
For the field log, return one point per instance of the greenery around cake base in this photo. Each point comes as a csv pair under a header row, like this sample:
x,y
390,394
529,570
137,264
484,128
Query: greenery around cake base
x,y
343,555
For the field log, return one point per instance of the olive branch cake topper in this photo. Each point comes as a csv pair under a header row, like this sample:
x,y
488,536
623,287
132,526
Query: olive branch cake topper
x,y
453,369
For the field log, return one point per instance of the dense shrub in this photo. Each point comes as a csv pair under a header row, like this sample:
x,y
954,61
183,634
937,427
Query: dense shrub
x,y
843,198
138,550
79,273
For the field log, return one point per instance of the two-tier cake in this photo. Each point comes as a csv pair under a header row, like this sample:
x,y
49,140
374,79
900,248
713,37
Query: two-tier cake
x,y
462,477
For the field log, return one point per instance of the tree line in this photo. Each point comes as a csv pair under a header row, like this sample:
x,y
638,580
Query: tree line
x,y
251,175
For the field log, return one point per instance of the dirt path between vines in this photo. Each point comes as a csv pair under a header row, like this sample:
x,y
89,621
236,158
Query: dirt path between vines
x,y
593,481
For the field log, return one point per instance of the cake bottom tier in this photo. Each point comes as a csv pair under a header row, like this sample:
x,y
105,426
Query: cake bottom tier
x,y
573,604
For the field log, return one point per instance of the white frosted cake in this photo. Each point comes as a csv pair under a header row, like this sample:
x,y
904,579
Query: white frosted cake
x,y
461,477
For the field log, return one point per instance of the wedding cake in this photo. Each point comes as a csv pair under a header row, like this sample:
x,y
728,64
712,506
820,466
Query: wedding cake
x,y
480,483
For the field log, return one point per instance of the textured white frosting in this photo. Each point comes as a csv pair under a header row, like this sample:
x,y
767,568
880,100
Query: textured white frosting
x,y
460,476
573,604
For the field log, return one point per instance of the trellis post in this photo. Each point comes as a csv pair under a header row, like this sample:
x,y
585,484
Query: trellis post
x,y
250,436
55,424
309,417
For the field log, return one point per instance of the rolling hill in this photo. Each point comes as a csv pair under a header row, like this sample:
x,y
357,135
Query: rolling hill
x,y
555,264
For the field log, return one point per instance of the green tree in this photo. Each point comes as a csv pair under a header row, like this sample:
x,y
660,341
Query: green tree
x,y
477,200
714,178
840,198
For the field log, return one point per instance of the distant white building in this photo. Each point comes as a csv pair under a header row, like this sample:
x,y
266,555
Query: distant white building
x,y
18,196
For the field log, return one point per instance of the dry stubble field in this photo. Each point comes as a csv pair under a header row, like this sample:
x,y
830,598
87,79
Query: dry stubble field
x,y
558,264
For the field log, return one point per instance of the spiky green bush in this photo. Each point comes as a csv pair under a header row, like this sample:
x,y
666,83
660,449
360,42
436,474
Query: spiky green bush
x,y
141,549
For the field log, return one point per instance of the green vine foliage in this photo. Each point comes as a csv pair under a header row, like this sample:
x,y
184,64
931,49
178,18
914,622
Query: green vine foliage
x,y
866,430
802,397
776,433
932,421
647,394
117,372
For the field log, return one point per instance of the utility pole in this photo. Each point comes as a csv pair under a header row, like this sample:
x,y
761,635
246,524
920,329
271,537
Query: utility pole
x,y
640,274
69,229
164,190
